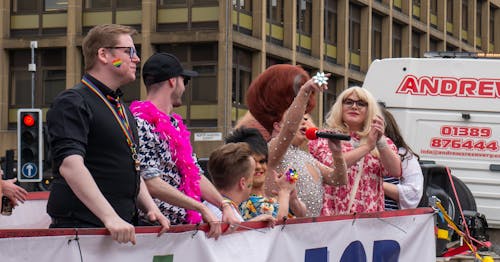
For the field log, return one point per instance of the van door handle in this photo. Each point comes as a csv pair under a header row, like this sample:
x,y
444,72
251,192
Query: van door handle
x,y
494,167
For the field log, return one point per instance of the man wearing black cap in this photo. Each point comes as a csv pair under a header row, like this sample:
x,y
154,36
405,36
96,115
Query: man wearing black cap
x,y
167,162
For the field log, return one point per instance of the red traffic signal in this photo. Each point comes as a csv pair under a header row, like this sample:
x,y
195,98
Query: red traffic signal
x,y
28,120
29,145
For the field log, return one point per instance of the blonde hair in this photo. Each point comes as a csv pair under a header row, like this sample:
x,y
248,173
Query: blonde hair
x,y
334,117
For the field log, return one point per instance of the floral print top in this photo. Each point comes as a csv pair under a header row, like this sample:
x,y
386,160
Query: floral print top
x,y
257,205
369,196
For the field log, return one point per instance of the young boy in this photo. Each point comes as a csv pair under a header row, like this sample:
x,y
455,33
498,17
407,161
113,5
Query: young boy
x,y
258,203
231,168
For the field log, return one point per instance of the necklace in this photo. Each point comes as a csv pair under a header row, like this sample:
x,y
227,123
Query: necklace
x,y
179,144
121,118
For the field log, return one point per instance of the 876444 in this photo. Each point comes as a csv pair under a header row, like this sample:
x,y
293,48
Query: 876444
x,y
464,144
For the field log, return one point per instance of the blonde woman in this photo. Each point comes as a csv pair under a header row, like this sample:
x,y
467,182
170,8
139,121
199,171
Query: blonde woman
x,y
369,155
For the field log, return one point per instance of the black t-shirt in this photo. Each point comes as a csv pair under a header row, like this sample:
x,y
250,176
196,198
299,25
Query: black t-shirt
x,y
80,123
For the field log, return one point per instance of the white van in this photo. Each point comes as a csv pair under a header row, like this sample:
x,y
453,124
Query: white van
x,y
448,110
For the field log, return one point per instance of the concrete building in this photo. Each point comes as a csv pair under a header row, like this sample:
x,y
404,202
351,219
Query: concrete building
x,y
229,42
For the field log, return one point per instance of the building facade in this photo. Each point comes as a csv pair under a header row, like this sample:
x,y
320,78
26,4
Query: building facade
x,y
229,42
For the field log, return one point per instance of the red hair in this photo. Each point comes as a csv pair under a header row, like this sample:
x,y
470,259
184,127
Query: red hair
x,y
273,91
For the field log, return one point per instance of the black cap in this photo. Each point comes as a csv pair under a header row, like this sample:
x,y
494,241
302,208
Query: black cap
x,y
163,66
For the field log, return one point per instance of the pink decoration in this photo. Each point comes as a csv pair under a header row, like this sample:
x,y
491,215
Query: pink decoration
x,y
180,148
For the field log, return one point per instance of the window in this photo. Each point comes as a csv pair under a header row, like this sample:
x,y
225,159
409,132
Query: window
x,y
354,28
433,45
331,22
49,9
200,97
167,23
50,77
492,25
329,96
242,76
434,7
275,19
274,61
479,15
243,10
25,6
465,14
396,39
304,26
55,5
449,11
127,12
304,17
30,6
376,37
113,4
415,46
416,9
171,3
275,11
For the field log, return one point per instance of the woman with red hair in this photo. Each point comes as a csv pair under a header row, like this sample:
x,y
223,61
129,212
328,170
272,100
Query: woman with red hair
x,y
278,99
270,95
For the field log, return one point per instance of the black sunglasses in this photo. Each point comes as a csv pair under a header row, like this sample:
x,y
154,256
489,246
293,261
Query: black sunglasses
x,y
186,80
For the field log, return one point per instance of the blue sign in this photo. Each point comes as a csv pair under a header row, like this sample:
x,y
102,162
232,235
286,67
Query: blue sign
x,y
29,170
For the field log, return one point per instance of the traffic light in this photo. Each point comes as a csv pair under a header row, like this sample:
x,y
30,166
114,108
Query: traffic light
x,y
29,145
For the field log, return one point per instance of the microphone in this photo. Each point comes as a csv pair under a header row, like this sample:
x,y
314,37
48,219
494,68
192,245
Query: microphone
x,y
313,133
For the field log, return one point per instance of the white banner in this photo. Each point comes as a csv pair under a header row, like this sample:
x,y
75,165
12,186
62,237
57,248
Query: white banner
x,y
395,236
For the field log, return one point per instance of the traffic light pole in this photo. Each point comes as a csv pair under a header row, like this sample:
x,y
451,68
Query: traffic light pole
x,y
32,69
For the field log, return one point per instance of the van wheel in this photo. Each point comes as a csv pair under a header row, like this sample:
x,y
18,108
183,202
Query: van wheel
x,y
464,195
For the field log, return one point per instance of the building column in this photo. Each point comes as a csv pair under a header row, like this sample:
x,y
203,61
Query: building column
x,y
73,52
225,66
365,37
343,52
4,65
290,28
259,10
496,34
148,23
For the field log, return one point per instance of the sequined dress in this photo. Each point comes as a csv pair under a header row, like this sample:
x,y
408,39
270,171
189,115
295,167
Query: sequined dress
x,y
308,190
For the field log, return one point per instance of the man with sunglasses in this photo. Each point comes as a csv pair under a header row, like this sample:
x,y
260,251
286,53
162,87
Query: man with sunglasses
x,y
168,165
93,140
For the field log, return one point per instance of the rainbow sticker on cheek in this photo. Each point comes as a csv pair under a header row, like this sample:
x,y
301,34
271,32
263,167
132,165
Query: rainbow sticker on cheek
x,y
117,62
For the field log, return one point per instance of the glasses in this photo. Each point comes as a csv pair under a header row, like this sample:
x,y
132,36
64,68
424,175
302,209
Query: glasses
x,y
131,50
359,103
186,79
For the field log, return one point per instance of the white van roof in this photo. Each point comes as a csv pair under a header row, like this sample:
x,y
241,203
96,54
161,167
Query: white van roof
x,y
436,83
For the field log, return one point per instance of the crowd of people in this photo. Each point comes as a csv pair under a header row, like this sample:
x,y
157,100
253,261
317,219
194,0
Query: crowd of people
x,y
118,167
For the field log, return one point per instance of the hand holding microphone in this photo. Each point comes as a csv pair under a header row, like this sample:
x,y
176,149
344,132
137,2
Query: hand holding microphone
x,y
313,134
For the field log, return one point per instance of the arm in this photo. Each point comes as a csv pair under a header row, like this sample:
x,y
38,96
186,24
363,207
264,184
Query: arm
x,y
391,191
337,173
210,194
298,207
387,150
146,203
14,192
411,186
83,185
164,191
388,157
291,121
285,189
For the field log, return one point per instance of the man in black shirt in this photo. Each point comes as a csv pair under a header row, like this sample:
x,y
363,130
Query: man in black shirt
x,y
93,140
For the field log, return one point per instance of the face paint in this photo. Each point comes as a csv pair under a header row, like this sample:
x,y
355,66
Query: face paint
x,y
117,62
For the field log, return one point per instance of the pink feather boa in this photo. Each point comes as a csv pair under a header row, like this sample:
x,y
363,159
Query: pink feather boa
x,y
180,149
